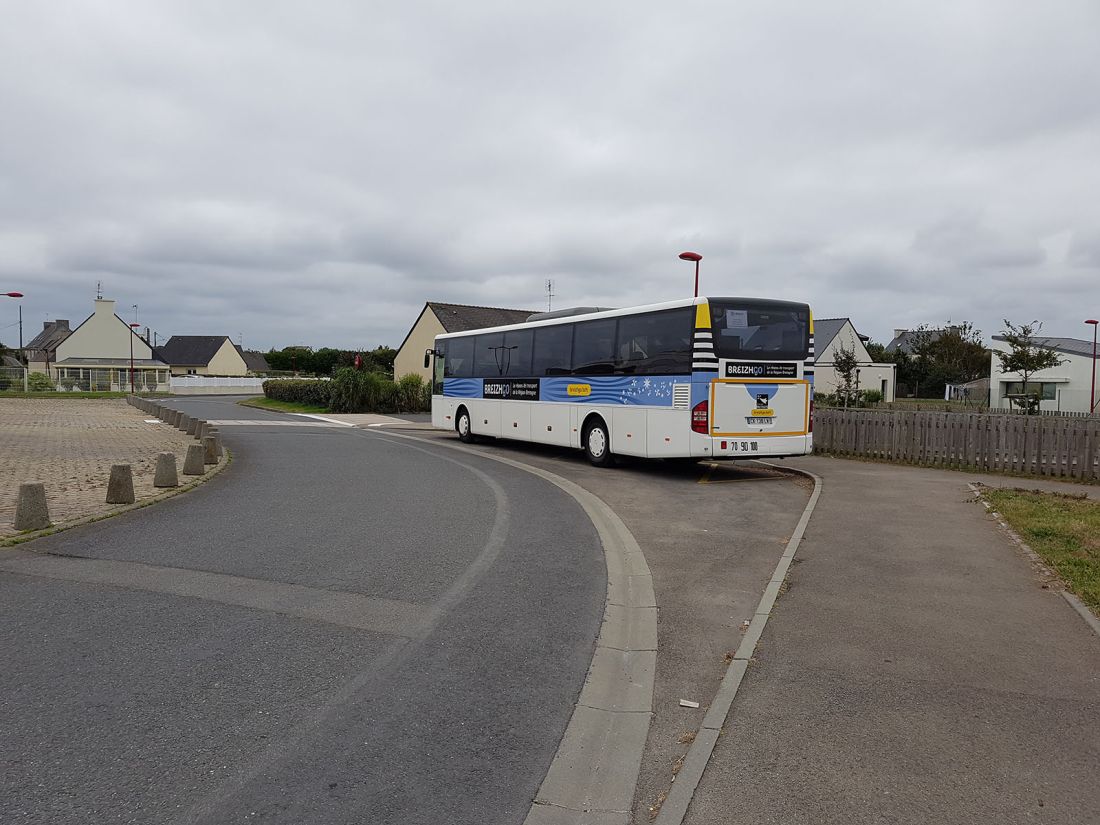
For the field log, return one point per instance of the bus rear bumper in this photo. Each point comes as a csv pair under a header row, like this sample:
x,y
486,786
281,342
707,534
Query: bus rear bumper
x,y
774,446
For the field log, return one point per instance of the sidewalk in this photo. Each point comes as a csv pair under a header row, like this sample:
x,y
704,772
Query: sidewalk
x,y
916,671
70,444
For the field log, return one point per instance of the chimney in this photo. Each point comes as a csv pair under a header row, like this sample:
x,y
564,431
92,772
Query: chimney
x,y
899,332
104,305
61,323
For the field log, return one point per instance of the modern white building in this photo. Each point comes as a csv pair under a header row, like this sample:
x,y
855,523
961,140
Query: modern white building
x,y
1063,388
832,334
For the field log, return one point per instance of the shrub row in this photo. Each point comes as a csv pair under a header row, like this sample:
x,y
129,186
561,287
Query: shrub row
x,y
356,391
299,390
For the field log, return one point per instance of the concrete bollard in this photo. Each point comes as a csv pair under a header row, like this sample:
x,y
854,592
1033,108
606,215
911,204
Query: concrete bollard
x,y
193,463
120,487
210,450
31,512
217,443
184,422
174,417
165,475
193,426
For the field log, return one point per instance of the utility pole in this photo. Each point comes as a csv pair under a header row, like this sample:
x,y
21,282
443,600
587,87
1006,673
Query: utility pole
x,y
549,293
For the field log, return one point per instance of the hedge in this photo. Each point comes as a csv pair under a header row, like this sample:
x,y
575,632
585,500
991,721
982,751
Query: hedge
x,y
299,390
356,391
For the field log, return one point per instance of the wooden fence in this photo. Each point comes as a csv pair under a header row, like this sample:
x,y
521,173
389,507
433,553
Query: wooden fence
x,y
1035,445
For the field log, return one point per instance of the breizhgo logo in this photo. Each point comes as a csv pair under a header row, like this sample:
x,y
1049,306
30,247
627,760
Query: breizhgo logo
x,y
761,370
527,390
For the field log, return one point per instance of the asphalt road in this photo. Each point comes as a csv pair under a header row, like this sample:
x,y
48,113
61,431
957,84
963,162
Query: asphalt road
x,y
340,627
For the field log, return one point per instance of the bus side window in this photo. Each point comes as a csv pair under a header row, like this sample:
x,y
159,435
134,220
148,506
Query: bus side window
x,y
594,347
553,350
655,343
490,357
517,348
460,358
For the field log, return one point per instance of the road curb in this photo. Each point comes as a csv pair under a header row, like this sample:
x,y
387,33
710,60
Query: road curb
x,y
1074,602
675,806
595,771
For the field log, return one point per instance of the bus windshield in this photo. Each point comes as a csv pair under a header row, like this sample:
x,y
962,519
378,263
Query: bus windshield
x,y
764,330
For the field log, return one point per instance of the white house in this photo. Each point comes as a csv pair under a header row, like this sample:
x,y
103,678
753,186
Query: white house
x,y
1065,387
100,353
832,334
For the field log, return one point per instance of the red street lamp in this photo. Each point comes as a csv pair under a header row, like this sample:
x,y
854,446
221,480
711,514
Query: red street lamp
x,y
693,256
18,295
132,328
1092,392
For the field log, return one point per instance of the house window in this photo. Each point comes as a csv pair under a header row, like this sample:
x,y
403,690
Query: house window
x,y
1045,389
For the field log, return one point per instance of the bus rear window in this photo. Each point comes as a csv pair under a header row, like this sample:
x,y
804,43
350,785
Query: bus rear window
x,y
762,330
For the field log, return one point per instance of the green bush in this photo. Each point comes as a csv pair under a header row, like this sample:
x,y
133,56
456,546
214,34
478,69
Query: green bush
x,y
40,382
872,396
357,391
299,391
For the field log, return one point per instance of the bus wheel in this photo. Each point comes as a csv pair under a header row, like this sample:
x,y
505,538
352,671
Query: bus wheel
x,y
465,434
597,444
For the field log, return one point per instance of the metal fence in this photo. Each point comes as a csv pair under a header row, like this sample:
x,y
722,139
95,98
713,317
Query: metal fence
x,y
1029,444
13,379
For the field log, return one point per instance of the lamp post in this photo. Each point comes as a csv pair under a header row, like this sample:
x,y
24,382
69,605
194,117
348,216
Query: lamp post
x,y
132,328
18,295
1092,391
693,256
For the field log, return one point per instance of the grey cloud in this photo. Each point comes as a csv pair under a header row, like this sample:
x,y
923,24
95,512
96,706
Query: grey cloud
x,y
314,175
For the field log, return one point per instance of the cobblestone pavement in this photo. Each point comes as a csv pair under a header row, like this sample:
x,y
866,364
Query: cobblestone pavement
x,y
70,444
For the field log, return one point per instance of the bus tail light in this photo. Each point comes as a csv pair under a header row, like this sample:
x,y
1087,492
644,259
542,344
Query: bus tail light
x,y
811,415
700,418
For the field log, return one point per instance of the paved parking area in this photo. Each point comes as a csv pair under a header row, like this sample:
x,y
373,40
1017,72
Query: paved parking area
x,y
69,444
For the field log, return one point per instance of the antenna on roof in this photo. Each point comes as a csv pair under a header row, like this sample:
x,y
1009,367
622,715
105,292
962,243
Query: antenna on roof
x,y
549,293
99,290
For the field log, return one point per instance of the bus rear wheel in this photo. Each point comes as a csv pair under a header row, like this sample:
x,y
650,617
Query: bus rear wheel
x,y
597,444
462,425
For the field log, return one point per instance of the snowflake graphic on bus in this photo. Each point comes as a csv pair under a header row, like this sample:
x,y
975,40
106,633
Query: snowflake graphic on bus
x,y
652,391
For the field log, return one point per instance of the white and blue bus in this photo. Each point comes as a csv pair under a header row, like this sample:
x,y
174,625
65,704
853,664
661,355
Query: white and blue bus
x,y
699,378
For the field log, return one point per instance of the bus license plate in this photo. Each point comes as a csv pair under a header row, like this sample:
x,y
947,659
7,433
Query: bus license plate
x,y
757,419
745,446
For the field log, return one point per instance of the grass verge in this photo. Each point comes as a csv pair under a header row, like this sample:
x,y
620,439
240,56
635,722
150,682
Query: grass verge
x,y
282,406
1063,529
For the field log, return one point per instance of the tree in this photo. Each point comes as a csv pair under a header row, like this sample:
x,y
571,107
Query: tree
x,y
952,355
845,364
1026,357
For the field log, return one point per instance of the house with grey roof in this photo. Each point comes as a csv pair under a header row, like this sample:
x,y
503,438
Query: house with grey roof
x,y
833,334
1066,388
42,349
102,353
437,318
202,355
254,360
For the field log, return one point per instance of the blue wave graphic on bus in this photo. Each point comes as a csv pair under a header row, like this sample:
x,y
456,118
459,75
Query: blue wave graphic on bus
x,y
651,391
462,387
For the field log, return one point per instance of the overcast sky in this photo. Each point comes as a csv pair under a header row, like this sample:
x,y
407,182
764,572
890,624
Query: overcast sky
x,y
313,172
